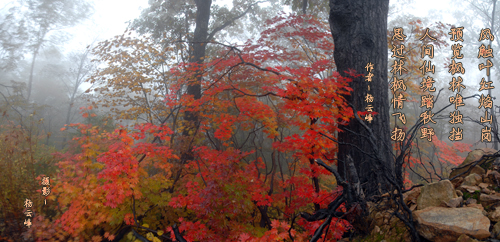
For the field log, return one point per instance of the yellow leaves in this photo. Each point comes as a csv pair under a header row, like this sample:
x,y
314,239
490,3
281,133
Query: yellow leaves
x,y
150,236
96,165
138,65
96,238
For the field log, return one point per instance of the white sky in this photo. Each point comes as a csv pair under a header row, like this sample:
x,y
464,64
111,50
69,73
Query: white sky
x,y
110,17
424,8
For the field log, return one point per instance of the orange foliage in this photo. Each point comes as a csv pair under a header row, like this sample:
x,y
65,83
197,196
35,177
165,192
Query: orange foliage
x,y
231,184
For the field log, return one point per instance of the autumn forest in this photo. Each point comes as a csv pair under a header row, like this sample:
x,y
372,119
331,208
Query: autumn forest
x,y
244,120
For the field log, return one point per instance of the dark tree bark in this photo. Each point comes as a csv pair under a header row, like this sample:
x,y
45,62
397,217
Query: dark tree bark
x,y
197,54
198,49
201,37
199,43
359,30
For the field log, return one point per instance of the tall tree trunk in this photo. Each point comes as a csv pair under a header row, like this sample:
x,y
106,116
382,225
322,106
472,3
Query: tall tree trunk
x,y
47,138
359,30
197,55
68,113
33,60
78,81
199,45
40,38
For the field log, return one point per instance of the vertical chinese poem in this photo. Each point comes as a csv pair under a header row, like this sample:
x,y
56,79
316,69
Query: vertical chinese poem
x,y
398,85
486,102
427,85
456,133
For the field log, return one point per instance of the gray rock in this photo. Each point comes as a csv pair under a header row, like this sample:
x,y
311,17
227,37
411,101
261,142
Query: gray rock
x,y
473,156
470,201
440,224
435,194
494,215
495,232
455,202
472,180
465,238
469,189
486,199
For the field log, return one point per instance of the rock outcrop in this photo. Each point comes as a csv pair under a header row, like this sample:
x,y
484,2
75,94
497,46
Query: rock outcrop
x,y
434,194
441,224
463,209
472,180
473,156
